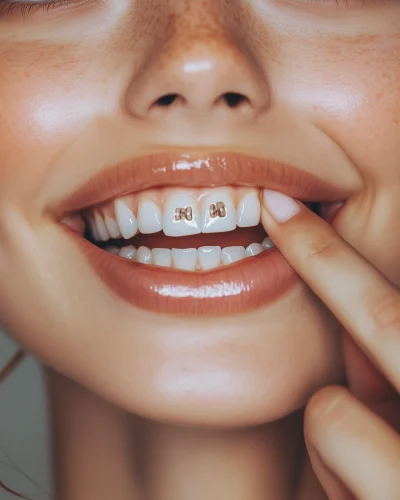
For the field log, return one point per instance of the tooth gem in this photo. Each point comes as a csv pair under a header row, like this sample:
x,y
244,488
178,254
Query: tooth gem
x,y
184,213
218,210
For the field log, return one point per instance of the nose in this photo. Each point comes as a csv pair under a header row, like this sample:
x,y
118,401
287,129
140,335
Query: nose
x,y
213,78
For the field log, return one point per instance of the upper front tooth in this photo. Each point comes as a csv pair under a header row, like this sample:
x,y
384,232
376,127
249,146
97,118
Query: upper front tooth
x,y
149,217
181,216
127,222
101,227
217,224
249,211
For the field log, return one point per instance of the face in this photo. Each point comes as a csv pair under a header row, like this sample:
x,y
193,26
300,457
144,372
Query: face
x,y
134,127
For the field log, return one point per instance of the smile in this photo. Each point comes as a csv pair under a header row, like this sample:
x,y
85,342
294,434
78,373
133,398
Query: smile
x,y
155,227
179,235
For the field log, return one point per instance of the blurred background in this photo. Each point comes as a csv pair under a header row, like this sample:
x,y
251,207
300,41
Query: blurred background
x,y
24,440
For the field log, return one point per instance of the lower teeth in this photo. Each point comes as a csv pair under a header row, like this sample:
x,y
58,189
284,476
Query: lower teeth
x,y
191,259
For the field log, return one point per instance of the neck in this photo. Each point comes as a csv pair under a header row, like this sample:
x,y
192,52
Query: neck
x,y
246,464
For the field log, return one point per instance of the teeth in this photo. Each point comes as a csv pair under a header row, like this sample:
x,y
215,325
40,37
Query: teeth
x,y
112,227
267,244
189,259
93,227
254,249
186,260
113,250
209,257
128,252
249,211
218,224
143,255
126,220
101,227
232,254
162,257
149,217
181,216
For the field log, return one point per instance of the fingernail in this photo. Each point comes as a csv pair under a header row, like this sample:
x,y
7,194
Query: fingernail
x,y
281,207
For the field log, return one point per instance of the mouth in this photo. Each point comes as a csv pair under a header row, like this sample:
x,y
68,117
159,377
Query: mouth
x,y
178,235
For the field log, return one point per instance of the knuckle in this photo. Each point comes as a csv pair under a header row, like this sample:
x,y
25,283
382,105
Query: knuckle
x,y
325,249
384,314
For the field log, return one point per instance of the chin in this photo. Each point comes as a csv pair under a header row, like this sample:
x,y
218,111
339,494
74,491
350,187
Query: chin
x,y
233,371
227,372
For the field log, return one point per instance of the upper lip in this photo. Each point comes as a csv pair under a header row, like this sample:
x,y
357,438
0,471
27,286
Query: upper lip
x,y
213,170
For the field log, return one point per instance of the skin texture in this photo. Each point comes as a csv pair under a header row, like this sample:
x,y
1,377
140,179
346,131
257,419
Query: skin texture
x,y
78,90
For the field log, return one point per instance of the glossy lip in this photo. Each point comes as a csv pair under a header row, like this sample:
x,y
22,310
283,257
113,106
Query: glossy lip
x,y
213,170
244,286
234,289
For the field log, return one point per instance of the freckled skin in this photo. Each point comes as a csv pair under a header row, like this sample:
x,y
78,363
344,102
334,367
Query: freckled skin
x,y
78,88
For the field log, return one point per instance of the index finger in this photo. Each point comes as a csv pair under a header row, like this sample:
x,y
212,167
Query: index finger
x,y
357,293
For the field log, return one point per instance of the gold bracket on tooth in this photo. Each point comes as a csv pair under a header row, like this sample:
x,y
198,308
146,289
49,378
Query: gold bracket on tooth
x,y
218,210
184,213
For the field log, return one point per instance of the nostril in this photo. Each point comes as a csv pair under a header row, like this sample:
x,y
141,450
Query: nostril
x,y
234,100
167,100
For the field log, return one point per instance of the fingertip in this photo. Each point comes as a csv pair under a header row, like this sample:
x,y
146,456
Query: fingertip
x,y
280,207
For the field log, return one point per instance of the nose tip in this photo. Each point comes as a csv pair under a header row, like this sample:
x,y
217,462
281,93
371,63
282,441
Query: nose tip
x,y
206,80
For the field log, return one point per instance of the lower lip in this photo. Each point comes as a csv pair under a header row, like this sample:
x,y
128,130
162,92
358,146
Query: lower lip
x,y
241,287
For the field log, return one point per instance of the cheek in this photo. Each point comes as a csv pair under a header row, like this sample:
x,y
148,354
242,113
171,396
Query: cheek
x,y
45,105
351,91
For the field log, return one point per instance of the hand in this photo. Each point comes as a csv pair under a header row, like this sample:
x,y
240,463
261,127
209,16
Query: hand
x,y
352,435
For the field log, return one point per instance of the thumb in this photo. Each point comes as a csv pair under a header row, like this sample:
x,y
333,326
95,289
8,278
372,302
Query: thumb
x,y
333,487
